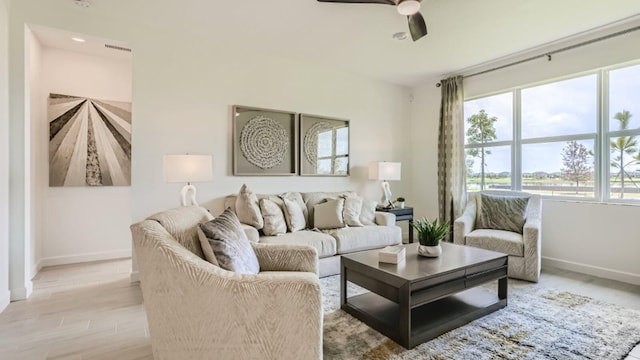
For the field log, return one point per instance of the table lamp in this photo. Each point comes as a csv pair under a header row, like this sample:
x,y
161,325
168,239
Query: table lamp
x,y
187,168
385,171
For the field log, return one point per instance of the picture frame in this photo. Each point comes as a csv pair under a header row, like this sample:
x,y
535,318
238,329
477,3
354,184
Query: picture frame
x,y
324,146
265,142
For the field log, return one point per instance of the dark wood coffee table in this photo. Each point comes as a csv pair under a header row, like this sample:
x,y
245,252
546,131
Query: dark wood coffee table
x,y
422,298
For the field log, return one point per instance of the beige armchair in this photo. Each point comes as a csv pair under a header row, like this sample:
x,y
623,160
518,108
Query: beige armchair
x,y
197,310
524,249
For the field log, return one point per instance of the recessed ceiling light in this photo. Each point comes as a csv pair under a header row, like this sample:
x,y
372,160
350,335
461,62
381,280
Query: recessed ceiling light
x,y
400,35
77,39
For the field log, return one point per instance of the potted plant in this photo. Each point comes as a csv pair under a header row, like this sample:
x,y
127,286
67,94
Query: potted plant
x,y
430,233
400,201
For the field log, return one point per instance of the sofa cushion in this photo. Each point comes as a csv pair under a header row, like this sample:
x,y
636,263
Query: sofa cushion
x,y
328,215
311,199
502,212
230,244
293,215
247,208
507,242
182,223
354,239
325,244
274,223
368,212
297,197
352,210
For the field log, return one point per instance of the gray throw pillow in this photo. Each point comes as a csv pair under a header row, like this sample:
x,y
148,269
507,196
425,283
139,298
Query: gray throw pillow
x,y
230,244
502,212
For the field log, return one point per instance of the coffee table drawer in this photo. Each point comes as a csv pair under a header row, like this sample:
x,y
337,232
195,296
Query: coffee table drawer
x,y
481,278
432,293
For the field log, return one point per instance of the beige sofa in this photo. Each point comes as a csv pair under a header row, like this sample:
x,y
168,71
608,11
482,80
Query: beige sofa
x,y
197,310
332,243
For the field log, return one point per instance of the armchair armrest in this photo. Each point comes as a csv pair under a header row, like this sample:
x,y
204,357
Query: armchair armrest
x,y
273,257
532,239
385,218
465,223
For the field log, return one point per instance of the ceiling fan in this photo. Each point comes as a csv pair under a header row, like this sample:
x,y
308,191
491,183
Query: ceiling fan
x,y
409,8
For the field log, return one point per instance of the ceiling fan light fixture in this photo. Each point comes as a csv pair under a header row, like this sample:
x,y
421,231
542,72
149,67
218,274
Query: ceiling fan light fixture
x,y
408,7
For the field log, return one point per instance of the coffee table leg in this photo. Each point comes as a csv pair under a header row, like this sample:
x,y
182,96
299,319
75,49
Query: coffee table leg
x,y
343,283
404,322
502,288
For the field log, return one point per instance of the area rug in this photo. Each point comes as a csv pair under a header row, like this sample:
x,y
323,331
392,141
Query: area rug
x,y
538,323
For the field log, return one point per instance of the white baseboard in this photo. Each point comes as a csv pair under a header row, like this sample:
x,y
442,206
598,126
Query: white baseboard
x,y
5,298
592,270
21,293
135,277
81,258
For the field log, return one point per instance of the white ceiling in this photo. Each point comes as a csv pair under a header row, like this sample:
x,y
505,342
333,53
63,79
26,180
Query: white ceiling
x,y
358,37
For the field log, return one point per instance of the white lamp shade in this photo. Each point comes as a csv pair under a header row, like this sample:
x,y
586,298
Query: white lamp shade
x,y
187,168
383,170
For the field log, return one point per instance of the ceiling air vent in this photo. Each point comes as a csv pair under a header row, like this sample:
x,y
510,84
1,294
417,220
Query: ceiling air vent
x,y
114,47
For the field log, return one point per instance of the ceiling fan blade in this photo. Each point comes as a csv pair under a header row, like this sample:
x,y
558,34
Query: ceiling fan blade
x,y
417,26
385,2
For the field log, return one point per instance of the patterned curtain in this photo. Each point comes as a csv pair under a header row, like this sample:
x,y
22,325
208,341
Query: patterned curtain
x,y
451,157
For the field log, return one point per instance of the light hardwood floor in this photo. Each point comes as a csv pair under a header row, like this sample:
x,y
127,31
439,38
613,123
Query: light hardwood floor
x,y
91,311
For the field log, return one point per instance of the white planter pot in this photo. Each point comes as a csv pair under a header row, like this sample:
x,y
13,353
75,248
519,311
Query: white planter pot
x,y
401,205
429,251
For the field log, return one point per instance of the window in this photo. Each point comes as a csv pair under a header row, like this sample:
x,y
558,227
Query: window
x,y
623,138
553,139
489,133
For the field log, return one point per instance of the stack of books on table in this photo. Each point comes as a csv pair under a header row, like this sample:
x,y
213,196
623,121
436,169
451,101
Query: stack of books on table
x,y
392,254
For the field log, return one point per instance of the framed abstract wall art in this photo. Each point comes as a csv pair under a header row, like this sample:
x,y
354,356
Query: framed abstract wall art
x,y
89,141
264,142
324,146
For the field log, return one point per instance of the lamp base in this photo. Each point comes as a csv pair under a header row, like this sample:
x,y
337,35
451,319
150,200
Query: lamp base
x,y
386,196
190,191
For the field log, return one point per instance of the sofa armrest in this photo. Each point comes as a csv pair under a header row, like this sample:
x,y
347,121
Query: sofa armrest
x,y
385,218
197,310
273,257
465,223
532,239
252,233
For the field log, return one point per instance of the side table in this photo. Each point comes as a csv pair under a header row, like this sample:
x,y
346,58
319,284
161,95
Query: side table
x,y
402,214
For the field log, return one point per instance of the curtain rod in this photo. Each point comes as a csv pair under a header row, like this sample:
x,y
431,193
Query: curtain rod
x,y
549,54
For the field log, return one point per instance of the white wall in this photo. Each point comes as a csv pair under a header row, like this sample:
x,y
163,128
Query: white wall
x,y
79,223
4,156
190,111
598,239
33,172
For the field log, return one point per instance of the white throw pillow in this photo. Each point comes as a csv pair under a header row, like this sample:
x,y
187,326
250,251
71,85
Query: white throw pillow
x,y
352,210
274,223
328,215
368,212
294,215
247,208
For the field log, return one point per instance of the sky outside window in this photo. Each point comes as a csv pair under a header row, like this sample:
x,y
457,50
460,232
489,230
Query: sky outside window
x,y
561,108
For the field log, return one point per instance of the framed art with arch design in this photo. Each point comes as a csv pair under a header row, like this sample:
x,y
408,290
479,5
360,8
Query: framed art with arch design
x,y
324,146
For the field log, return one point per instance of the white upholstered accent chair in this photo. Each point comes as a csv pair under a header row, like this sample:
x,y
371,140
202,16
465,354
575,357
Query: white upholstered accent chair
x,y
197,310
524,249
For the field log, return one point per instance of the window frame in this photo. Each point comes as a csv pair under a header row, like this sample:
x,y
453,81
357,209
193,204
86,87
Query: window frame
x,y
601,137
